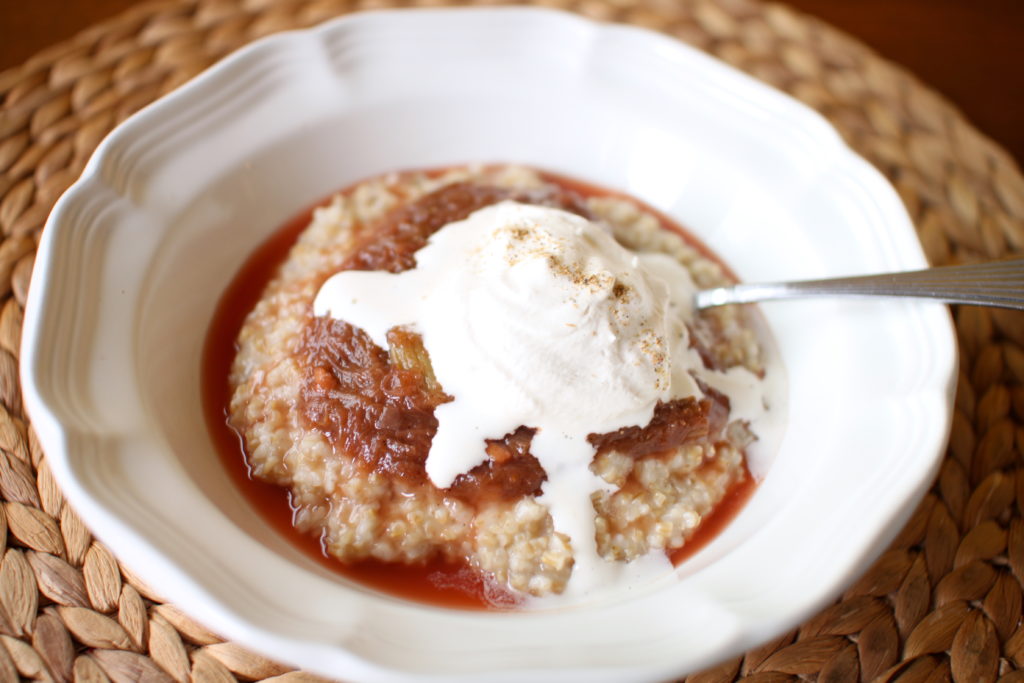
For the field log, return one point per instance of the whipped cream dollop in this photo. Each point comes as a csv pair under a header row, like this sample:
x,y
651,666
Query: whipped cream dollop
x,y
536,316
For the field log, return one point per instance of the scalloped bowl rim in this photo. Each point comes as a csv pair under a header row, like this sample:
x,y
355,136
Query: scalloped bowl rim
x,y
700,615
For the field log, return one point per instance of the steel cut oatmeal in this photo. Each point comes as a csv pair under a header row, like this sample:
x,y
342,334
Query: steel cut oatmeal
x,y
494,366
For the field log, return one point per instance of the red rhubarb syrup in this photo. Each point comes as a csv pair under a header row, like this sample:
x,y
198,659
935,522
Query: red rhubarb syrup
x,y
438,582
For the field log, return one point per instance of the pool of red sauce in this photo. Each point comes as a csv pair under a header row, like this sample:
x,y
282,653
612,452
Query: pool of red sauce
x,y
437,583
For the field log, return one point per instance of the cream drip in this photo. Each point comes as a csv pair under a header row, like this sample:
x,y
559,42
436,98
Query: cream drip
x,y
538,317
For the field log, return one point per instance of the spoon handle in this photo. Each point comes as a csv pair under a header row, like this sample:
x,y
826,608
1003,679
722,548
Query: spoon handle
x,y
999,284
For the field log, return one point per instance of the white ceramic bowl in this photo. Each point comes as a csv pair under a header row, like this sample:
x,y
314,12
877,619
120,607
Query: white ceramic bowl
x,y
136,254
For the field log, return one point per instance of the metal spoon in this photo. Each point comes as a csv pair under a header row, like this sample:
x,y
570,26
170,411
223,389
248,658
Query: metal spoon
x,y
999,284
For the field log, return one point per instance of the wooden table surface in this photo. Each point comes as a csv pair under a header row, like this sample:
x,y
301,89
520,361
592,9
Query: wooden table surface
x,y
972,51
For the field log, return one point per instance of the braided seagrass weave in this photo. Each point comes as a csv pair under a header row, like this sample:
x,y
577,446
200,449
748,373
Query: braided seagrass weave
x,y
943,602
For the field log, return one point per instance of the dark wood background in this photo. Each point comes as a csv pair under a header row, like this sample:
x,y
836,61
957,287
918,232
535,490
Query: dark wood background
x,y
972,51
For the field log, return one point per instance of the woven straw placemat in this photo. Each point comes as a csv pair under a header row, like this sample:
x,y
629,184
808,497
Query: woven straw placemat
x,y
943,602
